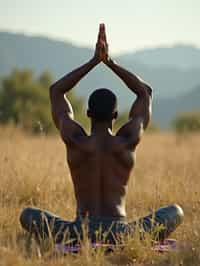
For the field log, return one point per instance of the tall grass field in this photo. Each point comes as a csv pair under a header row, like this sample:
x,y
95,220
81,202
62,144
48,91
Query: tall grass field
x,y
34,172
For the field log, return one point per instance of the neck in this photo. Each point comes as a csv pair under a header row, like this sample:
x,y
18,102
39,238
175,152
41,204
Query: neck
x,y
101,128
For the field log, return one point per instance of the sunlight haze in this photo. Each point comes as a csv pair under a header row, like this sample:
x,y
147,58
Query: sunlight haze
x,y
131,25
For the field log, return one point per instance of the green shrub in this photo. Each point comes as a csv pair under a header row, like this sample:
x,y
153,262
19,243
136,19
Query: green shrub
x,y
153,128
24,101
187,122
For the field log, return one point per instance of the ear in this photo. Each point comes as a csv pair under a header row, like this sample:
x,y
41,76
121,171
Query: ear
x,y
88,113
115,115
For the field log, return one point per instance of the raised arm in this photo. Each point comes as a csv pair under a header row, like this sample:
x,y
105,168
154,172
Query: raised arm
x,y
142,106
62,111
140,111
61,106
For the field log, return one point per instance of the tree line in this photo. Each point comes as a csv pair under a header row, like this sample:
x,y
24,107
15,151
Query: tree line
x,y
24,101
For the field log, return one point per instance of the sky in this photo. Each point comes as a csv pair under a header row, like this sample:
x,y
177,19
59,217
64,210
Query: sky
x,y
131,25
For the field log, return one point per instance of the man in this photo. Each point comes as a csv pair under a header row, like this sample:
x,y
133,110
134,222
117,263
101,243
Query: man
x,y
100,163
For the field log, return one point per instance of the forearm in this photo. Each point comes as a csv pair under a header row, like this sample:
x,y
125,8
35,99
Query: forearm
x,y
67,82
133,82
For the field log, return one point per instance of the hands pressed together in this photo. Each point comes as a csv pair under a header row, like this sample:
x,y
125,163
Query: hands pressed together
x,y
101,51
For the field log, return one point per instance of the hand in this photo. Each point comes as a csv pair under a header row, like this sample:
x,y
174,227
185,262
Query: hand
x,y
101,51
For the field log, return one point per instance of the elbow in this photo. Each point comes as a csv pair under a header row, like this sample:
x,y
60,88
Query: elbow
x,y
147,93
52,90
149,90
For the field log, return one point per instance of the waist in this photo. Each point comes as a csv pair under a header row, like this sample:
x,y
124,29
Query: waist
x,y
100,219
107,213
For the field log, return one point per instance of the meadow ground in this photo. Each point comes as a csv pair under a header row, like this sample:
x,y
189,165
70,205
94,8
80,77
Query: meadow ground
x,y
33,171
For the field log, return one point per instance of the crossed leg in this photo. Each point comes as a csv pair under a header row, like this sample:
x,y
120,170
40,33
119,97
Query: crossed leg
x,y
161,223
43,224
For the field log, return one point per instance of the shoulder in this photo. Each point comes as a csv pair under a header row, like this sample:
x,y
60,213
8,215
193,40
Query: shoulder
x,y
130,133
74,136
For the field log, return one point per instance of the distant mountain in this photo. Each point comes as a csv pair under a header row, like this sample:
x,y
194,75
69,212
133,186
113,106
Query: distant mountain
x,y
165,110
39,53
179,56
170,71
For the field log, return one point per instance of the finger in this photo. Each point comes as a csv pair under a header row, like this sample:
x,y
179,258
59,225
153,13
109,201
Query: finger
x,y
101,30
100,33
99,37
105,37
99,44
102,27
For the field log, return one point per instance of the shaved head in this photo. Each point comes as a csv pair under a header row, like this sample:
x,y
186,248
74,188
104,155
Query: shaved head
x,y
102,105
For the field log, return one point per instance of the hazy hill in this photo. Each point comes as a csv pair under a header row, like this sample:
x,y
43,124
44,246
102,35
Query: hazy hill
x,y
180,56
165,110
38,53
170,71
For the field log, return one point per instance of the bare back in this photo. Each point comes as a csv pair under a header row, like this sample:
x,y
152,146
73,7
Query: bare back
x,y
100,164
100,175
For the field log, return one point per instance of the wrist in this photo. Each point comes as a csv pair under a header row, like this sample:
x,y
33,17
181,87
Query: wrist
x,y
109,61
95,60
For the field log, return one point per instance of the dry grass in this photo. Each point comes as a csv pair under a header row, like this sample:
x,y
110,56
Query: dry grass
x,y
33,172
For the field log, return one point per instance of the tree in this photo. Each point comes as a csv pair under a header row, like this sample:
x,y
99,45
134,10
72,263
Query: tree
x,y
187,122
24,101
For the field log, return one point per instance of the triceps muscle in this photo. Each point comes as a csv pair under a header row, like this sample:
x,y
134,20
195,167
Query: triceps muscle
x,y
142,107
60,107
